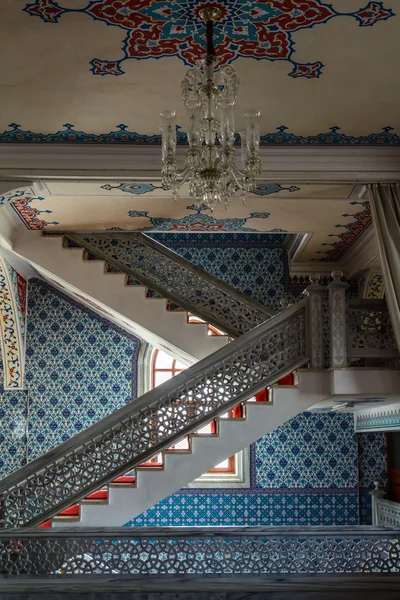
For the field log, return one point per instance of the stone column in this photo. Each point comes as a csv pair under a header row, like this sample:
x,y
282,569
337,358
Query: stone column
x,y
337,320
315,293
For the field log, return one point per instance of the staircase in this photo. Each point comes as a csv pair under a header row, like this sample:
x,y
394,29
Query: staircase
x,y
149,426
128,497
132,275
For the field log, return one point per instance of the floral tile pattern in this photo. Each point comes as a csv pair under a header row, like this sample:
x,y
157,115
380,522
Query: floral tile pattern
x,y
310,451
372,459
255,264
79,367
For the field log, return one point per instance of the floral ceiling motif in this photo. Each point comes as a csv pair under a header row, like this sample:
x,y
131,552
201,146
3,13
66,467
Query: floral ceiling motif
x,y
198,221
352,231
260,30
138,189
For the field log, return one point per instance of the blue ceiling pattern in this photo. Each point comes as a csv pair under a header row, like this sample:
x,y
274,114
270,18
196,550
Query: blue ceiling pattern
x,y
258,30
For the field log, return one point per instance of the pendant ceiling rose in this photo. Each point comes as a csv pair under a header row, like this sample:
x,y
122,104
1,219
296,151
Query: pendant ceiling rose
x,y
210,13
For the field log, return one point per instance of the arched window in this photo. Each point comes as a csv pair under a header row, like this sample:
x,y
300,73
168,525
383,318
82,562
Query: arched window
x,y
163,368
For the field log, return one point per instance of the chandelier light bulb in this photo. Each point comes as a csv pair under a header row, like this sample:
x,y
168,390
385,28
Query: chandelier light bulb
x,y
210,164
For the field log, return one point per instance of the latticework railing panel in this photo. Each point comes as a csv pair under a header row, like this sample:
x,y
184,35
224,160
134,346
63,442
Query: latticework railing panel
x,y
369,330
155,421
223,551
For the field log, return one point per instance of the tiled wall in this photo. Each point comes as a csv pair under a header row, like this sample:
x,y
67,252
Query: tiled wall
x,y
372,467
303,473
313,450
79,369
256,264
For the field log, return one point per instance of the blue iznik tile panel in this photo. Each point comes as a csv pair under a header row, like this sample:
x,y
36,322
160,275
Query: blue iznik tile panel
x,y
372,467
79,367
303,473
255,264
372,459
313,450
251,508
13,424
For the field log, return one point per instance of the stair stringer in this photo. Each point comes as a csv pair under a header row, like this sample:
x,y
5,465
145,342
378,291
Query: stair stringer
x,y
149,316
125,503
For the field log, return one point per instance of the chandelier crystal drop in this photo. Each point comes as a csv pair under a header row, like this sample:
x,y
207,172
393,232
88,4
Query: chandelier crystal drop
x,y
210,164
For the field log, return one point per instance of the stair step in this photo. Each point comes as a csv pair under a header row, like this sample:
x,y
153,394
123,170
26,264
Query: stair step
x,y
125,479
99,495
69,514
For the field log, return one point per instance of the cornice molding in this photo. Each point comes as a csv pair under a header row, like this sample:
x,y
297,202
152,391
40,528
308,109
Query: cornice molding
x,y
359,257
287,164
361,254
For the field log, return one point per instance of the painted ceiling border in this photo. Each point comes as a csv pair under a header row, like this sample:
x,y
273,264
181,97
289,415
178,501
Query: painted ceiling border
x,y
122,135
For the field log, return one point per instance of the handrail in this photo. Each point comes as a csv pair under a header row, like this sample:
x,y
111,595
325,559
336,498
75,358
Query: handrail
x,y
177,279
191,552
155,421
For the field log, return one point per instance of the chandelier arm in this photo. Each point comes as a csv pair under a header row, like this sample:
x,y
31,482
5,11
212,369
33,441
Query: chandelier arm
x,y
184,174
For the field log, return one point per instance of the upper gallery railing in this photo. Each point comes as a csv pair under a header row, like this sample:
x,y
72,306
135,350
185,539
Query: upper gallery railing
x,y
184,553
369,330
177,279
163,416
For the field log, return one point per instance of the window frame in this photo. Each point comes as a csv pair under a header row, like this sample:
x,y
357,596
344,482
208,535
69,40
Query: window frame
x,y
237,473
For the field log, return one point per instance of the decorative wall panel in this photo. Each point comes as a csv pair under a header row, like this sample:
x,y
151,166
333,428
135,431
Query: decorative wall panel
x,y
372,459
11,327
372,467
79,367
303,473
13,428
310,451
252,508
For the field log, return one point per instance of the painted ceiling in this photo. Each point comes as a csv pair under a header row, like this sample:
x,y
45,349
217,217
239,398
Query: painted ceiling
x,y
327,219
101,71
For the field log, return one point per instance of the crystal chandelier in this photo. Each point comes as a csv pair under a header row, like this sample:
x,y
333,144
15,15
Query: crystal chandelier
x,y
210,164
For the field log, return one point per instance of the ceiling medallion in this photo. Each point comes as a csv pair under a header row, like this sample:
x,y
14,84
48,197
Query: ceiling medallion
x,y
210,165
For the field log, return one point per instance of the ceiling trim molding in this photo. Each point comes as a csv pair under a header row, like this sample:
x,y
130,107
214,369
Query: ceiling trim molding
x,y
359,257
314,268
130,163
